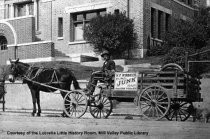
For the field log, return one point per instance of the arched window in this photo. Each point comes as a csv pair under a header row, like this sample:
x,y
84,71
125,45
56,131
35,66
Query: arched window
x,y
3,43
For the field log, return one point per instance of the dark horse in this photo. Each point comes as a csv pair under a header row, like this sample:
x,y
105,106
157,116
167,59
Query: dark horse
x,y
38,77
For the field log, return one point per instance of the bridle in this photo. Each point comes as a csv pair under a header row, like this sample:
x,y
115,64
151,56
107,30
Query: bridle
x,y
17,72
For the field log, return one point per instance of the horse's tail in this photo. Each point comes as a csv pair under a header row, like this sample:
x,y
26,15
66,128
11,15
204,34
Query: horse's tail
x,y
75,82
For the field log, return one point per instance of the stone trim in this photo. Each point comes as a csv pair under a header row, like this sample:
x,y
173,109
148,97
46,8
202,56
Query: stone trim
x,y
88,6
161,8
34,60
181,3
77,42
185,18
31,43
16,18
13,30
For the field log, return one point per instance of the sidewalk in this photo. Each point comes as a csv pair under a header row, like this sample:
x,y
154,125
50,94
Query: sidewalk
x,y
122,109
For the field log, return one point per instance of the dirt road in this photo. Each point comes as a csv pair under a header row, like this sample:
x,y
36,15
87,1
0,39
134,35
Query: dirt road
x,y
52,126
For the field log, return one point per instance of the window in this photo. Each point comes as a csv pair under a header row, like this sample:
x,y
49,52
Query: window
x,y
160,30
21,10
8,9
152,23
82,19
24,9
3,43
167,23
31,8
60,27
116,11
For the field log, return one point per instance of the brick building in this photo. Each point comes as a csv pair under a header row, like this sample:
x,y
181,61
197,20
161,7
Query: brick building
x,y
45,30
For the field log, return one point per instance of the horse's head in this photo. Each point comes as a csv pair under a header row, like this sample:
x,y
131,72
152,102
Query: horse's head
x,y
17,69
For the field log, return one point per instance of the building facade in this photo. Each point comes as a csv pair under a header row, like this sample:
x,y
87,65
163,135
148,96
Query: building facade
x,y
46,30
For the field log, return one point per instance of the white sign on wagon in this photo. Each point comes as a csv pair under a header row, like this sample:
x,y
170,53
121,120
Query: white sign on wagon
x,y
126,81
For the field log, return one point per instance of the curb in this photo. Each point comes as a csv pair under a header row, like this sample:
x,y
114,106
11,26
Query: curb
x,y
56,113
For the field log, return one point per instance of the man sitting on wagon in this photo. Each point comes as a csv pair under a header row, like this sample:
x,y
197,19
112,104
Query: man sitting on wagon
x,y
106,73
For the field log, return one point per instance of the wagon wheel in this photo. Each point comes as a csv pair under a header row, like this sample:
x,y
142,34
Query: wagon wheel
x,y
154,102
171,67
75,104
101,108
179,111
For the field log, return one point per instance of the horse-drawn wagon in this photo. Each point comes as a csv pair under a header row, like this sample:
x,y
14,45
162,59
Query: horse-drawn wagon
x,y
166,93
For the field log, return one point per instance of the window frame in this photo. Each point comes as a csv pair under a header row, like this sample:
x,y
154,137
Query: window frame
x,y
84,22
27,11
60,27
3,46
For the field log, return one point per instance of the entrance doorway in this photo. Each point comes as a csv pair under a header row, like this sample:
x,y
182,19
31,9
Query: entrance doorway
x,y
3,43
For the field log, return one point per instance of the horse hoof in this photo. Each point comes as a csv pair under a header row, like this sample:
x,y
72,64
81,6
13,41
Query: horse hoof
x,y
129,117
38,114
32,114
63,115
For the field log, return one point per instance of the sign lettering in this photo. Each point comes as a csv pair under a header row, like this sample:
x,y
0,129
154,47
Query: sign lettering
x,y
126,81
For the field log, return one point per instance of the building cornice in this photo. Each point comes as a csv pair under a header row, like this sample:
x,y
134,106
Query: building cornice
x,y
185,5
16,18
161,8
88,6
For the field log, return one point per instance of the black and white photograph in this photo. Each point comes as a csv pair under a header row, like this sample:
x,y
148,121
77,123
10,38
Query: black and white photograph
x,y
104,69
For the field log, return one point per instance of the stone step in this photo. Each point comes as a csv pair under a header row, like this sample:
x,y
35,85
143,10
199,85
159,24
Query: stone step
x,y
60,54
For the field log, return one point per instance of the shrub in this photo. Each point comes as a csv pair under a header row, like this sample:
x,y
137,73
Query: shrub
x,y
177,55
158,50
112,32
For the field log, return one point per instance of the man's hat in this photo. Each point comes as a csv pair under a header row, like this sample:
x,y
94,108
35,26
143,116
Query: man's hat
x,y
105,52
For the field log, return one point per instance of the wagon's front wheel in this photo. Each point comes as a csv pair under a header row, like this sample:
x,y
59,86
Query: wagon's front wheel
x,y
179,111
101,108
75,104
154,102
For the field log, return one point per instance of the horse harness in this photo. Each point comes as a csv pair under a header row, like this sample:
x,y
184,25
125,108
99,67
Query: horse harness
x,y
29,75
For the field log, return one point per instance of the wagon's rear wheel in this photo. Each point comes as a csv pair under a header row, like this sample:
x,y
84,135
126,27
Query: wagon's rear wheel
x,y
75,104
101,108
154,102
179,111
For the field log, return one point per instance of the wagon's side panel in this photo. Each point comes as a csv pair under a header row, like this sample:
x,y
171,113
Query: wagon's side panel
x,y
178,85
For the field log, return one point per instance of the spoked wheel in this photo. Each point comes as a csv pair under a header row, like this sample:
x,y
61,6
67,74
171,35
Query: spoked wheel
x,y
179,111
154,102
101,108
75,104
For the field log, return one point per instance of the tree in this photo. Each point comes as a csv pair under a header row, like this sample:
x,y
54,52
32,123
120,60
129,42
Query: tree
x,y
112,32
187,36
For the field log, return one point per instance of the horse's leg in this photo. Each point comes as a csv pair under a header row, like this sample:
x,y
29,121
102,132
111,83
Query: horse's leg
x,y
38,103
33,94
63,95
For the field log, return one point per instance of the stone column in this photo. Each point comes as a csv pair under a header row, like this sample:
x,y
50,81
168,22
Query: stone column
x,y
27,10
36,13
12,11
